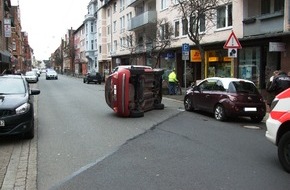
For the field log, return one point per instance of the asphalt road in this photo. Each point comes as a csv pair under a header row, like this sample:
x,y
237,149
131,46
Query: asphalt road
x,y
189,151
76,128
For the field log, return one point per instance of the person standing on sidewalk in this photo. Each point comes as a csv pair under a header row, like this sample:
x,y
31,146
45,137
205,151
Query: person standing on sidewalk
x,y
280,83
172,81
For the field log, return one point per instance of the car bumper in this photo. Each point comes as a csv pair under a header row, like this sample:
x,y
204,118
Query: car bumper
x,y
272,129
239,110
17,124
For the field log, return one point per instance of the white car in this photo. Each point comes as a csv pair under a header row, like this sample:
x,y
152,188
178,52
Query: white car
x,y
51,74
31,76
278,127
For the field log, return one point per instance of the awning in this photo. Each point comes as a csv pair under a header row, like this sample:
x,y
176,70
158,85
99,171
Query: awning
x,y
5,57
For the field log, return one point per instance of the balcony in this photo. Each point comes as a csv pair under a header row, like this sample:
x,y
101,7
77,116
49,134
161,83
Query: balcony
x,y
142,19
132,3
89,17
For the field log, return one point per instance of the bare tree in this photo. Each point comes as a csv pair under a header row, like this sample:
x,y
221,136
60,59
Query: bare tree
x,y
157,35
201,16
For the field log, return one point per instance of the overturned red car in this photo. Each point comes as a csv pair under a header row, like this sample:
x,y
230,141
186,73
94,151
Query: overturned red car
x,y
132,90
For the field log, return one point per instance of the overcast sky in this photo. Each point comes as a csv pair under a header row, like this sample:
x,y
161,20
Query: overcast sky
x,y
47,21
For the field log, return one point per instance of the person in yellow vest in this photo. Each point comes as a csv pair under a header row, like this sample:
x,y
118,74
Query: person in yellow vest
x,y
172,81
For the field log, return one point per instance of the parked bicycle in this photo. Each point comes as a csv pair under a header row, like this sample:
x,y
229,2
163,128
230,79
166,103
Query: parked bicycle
x,y
178,89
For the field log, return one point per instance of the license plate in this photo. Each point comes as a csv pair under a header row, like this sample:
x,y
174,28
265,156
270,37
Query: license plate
x,y
2,123
250,109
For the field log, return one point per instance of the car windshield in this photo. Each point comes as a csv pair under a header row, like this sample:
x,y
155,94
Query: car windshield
x,y
11,86
30,73
242,87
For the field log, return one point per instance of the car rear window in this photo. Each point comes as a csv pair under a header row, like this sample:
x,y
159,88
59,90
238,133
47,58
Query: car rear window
x,y
242,87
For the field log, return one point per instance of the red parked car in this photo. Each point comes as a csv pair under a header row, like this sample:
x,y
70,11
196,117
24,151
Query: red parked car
x,y
132,90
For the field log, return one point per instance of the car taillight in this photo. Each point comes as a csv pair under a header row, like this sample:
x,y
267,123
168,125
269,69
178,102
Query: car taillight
x,y
273,104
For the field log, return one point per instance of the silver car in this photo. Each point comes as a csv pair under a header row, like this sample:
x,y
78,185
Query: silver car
x,y
31,77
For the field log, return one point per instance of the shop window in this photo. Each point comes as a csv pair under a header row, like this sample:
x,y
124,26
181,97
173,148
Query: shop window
x,y
249,64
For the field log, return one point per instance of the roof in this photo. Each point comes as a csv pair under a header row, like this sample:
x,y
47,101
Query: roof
x,y
226,81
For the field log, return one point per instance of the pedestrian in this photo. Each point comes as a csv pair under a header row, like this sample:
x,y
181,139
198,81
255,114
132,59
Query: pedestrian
x,y
271,95
172,81
280,83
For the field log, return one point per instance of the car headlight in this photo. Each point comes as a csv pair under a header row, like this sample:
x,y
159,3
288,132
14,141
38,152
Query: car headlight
x,y
23,108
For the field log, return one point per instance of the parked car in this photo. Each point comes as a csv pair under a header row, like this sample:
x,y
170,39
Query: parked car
x,y
278,127
16,108
226,97
51,74
131,91
94,77
37,71
31,76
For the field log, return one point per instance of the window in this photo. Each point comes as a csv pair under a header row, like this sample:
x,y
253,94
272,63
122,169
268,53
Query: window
x,y
224,16
115,45
92,44
164,4
271,6
109,30
115,7
122,5
114,26
92,27
184,27
201,23
176,28
100,49
109,13
164,32
122,24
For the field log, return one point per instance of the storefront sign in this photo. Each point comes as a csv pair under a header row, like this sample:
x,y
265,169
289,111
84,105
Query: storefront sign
x,y
195,56
7,27
213,59
277,46
227,59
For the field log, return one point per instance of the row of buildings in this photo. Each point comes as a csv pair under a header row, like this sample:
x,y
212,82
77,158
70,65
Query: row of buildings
x,y
119,32
115,32
15,51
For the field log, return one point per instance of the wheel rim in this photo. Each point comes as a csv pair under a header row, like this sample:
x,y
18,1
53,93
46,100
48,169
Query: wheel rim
x,y
219,113
187,103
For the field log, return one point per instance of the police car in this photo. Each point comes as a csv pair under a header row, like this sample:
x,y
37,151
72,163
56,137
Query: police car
x,y
278,127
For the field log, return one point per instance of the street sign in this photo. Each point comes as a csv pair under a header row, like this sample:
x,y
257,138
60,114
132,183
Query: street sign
x,y
185,47
232,42
232,52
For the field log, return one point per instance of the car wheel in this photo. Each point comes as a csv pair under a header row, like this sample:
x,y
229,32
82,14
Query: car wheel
x,y
136,113
284,151
257,119
219,113
188,104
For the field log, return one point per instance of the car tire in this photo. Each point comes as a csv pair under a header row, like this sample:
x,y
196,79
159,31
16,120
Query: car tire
x,y
257,119
136,113
219,113
284,151
188,104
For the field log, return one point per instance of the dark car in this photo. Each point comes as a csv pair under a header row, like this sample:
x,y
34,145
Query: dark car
x,y
94,77
132,90
226,97
16,107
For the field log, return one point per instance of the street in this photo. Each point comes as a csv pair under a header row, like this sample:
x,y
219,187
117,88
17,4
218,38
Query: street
x,y
82,144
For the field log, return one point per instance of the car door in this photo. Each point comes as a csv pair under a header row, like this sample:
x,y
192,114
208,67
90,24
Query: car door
x,y
201,96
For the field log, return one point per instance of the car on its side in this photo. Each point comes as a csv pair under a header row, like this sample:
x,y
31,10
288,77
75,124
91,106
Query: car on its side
x,y
132,90
31,76
16,108
225,98
94,77
278,127
51,74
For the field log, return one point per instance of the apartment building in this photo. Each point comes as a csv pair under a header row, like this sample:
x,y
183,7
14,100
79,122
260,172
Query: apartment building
x,y
90,25
80,60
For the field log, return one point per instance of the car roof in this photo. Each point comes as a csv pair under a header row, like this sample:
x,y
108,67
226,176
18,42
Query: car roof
x,y
226,81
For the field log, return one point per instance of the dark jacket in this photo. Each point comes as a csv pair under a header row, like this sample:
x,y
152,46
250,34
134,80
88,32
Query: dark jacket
x,y
279,84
